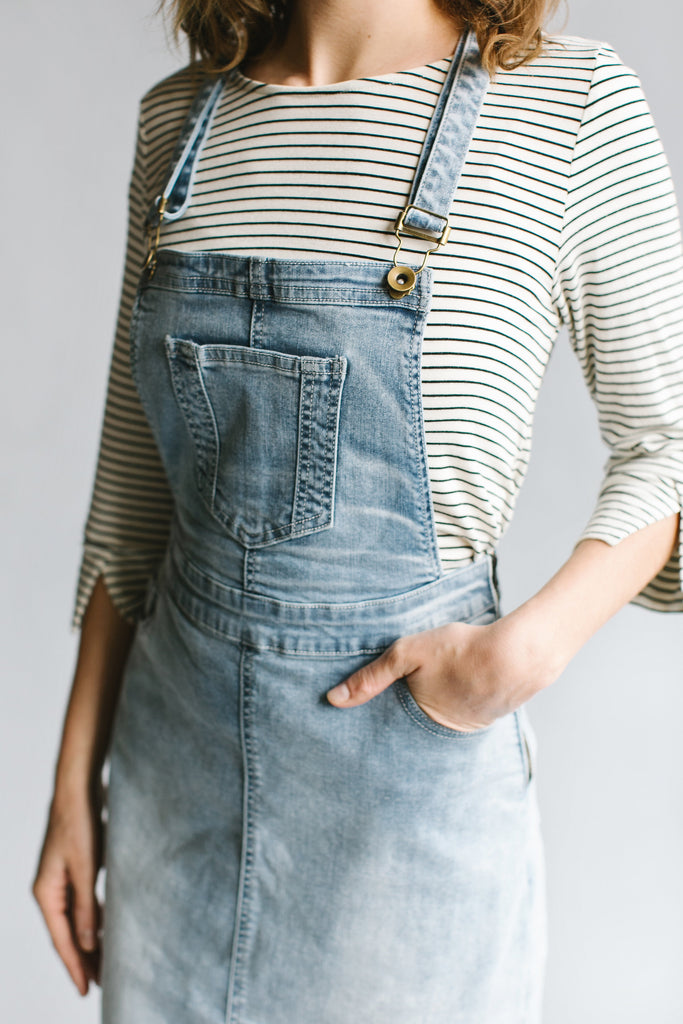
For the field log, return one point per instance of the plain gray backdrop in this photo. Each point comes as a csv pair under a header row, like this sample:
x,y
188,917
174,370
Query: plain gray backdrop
x,y
610,750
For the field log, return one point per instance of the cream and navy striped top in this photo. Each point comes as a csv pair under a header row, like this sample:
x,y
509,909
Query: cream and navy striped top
x,y
565,213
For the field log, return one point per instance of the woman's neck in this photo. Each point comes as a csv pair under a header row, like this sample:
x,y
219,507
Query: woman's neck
x,y
329,41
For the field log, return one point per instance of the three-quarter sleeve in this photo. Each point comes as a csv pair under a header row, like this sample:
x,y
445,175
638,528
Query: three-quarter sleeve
x,y
127,524
620,291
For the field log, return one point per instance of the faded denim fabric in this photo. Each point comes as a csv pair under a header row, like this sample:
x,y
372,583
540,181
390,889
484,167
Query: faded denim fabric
x,y
272,859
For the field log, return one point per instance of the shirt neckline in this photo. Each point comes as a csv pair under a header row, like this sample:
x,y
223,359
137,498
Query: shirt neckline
x,y
348,85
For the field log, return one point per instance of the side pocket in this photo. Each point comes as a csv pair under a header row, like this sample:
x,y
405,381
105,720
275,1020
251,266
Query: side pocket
x,y
483,615
421,718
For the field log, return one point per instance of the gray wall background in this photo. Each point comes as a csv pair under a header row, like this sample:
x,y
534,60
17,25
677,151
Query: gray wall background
x,y
610,751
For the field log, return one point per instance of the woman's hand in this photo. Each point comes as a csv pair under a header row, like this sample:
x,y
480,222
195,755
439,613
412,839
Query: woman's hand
x,y
467,676
462,676
64,885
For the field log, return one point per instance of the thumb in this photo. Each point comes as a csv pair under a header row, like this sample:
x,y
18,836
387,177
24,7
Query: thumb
x,y
374,677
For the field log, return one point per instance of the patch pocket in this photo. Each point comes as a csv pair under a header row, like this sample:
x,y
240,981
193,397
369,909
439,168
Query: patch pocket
x,y
264,427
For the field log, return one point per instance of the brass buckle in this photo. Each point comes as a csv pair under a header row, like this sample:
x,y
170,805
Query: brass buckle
x,y
401,279
153,235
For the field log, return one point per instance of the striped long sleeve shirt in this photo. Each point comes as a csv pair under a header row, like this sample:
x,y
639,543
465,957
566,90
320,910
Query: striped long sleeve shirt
x,y
565,214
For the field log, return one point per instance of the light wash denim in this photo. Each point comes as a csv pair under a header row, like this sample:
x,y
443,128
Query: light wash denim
x,y
271,859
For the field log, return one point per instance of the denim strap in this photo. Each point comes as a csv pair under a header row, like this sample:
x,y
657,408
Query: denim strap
x,y
441,160
448,139
180,174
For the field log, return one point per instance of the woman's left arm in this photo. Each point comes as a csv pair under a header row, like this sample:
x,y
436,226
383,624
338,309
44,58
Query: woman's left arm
x,y
466,676
619,288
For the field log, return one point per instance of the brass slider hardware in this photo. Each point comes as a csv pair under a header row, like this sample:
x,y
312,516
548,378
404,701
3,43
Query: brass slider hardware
x,y
401,279
153,235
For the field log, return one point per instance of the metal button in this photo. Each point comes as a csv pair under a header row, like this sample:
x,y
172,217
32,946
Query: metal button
x,y
401,281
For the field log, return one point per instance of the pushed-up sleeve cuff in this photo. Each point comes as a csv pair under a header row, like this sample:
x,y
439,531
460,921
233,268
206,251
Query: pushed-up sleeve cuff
x,y
627,504
126,574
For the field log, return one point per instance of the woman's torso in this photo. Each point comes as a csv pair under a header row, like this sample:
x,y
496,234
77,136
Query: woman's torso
x,y
322,173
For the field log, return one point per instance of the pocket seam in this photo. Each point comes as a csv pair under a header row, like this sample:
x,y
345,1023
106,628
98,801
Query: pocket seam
x,y
530,758
524,750
330,371
415,712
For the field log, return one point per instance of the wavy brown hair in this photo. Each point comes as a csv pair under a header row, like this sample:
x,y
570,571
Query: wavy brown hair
x,y
222,33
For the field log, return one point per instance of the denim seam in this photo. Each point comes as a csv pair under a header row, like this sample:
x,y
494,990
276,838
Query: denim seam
x,y
207,453
448,734
417,419
334,412
285,372
303,297
256,327
359,605
277,533
523,750
132,337
213,481
236,992
330,444
249,569
273,534
306,443
491,572
303,454
529,757
195,255
254,645
281,532
203,624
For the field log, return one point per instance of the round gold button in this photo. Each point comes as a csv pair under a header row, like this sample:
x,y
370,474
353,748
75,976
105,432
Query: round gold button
x,y
401,281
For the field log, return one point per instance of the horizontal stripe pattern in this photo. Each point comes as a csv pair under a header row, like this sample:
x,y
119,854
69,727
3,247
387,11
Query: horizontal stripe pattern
x,y
565,212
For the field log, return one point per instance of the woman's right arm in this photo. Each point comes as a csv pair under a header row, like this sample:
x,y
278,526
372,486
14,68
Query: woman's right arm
x,y
64,884
125,535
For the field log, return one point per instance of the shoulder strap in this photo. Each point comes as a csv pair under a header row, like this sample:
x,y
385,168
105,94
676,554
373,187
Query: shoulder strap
x,y
446,144
172,202
438,171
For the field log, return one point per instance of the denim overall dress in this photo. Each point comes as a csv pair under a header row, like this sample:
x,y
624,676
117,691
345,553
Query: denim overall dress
x,y
271,859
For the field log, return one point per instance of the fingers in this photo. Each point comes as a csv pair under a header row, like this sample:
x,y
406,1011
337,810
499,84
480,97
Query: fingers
x,y
51,890
65,891
85,911
397,661
91,958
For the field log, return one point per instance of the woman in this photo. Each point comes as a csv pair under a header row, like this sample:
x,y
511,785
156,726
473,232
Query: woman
x,y
321,804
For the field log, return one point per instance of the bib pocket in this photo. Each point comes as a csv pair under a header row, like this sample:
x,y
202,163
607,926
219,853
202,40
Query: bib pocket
x,y
264,427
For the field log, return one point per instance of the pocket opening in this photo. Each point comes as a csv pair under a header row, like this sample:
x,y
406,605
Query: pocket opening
x,y
425,721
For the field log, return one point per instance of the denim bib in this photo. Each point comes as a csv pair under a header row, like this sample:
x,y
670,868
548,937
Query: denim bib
x,y
272,859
